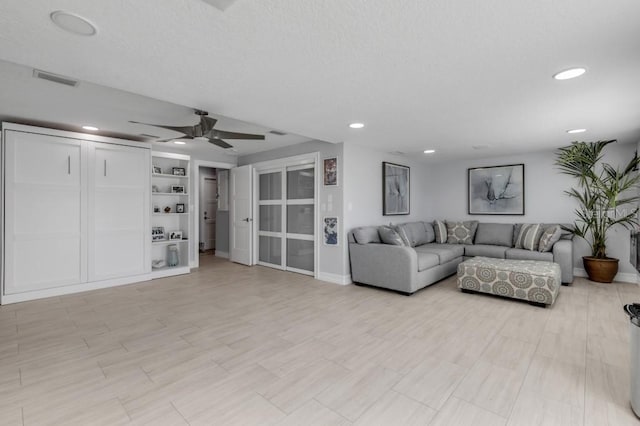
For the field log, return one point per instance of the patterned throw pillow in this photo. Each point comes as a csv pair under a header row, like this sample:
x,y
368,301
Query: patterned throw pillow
x,y
389,236
461,232
529,236
549,237
440,230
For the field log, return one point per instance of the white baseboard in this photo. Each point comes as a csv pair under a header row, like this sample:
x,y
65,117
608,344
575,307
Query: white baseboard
x,y
222,254
74,288
623,277
334,278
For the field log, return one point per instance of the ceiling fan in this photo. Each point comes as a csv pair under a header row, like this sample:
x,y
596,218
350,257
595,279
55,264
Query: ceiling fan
x,y
205,129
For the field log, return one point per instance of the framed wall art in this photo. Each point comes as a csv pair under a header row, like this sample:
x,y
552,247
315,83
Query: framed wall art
x,y
330,231
395,189
330,171
496,190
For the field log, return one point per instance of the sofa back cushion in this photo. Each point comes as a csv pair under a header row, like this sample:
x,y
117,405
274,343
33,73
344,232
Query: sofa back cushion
x,y
529,236
440,231
388,235
414,233
431,233
366,235
461,232
497,234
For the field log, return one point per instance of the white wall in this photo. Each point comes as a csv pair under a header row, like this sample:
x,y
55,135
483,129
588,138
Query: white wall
x,y
363,189
545,200
331,258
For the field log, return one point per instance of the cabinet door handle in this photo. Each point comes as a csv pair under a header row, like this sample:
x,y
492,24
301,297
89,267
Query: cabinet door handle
x,y
68,164
105,168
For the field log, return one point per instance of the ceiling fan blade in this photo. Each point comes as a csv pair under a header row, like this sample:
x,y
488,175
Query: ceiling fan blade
x,y
174,139
221,134
186,130
207,124
220,143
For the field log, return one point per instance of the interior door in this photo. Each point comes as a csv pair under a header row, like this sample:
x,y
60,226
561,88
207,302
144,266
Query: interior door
x,y
209,209
241,215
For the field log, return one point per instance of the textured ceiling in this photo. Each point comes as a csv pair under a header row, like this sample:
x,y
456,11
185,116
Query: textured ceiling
x,y
420,74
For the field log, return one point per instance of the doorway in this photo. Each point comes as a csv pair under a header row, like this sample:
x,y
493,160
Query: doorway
x,y
213,212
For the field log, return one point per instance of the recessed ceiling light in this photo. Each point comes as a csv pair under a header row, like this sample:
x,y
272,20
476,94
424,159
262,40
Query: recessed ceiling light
x,y
570,73
356,125
73,23
91,128
576,131
179,142
429,151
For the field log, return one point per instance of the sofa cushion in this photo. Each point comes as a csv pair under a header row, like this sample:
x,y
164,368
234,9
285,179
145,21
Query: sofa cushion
x,y
427,260
461,232
388,235
413,233
549,237
366,235
446,252
523,254
486,250
431,234
440,230
529,236
497,234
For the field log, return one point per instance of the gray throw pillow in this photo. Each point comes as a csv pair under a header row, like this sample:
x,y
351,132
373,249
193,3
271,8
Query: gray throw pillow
x,y
549,237
413,233
529,236
389,236
461,232
496,234
440,229
366,235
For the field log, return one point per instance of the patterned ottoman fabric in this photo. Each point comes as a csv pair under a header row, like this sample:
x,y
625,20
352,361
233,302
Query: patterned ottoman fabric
x,y
531,280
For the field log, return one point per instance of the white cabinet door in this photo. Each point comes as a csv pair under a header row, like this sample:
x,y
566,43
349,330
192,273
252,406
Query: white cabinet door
x,y
119,232
45,210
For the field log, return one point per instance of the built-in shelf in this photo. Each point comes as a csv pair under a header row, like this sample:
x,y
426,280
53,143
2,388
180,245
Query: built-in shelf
x,y
182,194
168,271
166,175
161,242
163,182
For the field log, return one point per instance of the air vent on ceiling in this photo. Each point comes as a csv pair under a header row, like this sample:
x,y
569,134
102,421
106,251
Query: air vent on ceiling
x,y
277,132
220,4
55,78
146,135
397,153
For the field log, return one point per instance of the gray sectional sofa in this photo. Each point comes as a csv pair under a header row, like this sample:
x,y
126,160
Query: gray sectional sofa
x,y
415,259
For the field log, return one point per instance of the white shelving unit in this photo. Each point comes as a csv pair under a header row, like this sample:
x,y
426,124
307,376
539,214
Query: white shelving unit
x,y
166,192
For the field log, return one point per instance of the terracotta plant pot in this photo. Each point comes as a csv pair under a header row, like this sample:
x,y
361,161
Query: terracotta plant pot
x,y
600,270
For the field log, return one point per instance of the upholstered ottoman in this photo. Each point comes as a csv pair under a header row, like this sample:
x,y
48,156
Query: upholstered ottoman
x,y
534,281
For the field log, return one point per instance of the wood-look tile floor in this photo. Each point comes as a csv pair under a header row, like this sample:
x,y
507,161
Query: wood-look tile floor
x,y
230,345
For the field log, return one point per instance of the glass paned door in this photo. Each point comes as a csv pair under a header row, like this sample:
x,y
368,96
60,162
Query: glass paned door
x,y
287,222
270,219
301,218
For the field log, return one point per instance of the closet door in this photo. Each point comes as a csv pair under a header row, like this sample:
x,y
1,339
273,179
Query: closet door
x,y
119,232
45,210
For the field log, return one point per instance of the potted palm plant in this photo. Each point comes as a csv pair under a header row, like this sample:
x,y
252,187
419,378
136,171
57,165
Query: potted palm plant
x,y
606,197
